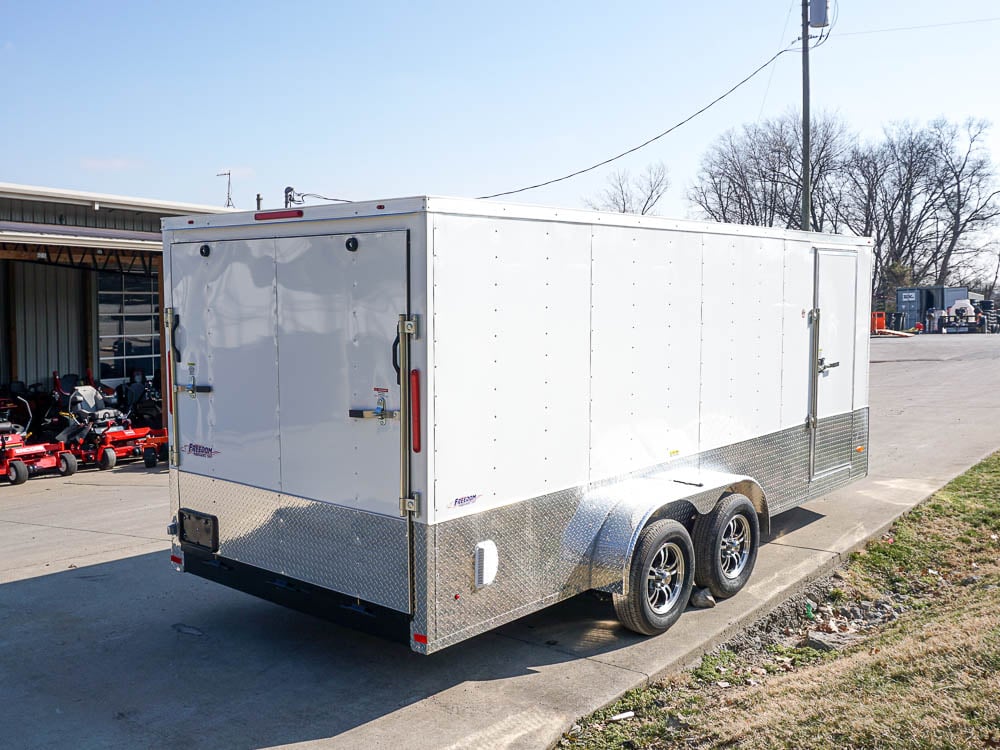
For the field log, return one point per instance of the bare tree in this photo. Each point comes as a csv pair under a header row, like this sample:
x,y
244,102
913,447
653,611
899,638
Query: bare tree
x,y
753,175
925,194
968,195
625,194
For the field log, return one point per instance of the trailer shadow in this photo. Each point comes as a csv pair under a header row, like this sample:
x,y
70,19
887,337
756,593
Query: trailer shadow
x,y
792,520
129,653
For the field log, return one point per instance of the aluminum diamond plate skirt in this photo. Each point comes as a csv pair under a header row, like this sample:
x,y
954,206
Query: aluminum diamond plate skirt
x,y
342,549
545,543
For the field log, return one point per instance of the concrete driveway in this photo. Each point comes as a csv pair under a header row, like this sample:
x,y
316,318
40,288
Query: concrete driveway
x,y
103,645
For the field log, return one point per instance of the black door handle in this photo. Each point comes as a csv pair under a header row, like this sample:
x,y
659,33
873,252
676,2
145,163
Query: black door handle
x,y
173,338
395,358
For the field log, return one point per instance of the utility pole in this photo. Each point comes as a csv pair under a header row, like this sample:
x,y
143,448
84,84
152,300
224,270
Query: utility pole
x,y
815,13
806,177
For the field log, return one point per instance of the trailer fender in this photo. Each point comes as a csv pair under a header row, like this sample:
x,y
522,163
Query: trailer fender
x,y
635,503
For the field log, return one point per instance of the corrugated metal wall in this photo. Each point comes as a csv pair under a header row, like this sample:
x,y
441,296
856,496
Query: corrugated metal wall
x,y
50,322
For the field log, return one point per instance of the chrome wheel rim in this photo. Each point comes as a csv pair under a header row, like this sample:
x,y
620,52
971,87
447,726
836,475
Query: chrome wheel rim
x,y
734,551
665,578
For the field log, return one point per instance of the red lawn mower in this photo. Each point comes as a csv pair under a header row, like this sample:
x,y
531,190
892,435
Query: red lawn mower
x,y
93,432
145,408
18,460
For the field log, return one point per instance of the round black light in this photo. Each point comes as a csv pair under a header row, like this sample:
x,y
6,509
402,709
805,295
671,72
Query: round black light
x,y
205,251
352,244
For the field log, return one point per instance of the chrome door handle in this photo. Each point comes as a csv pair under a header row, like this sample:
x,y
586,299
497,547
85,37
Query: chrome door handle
x,y
379,412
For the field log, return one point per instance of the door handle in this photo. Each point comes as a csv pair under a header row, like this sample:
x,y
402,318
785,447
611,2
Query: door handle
x,y
175,321
822,365
395,359
379,412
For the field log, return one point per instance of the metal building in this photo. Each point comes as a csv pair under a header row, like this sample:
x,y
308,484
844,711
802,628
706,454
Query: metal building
x,y
80,283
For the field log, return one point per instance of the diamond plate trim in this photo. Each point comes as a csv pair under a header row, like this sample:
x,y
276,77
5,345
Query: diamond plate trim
x,y
859,461
346,550
833,443
546,544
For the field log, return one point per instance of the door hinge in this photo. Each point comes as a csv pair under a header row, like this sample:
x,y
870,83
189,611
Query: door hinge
x,y
409,504
813,316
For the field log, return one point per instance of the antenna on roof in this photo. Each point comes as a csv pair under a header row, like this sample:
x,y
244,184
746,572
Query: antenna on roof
x,y
229,187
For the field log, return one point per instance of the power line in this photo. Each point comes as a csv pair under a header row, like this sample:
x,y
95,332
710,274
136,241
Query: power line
x,y
770,77
645,143
925,26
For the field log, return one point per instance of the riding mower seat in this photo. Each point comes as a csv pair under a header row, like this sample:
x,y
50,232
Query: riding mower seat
x,y
86,401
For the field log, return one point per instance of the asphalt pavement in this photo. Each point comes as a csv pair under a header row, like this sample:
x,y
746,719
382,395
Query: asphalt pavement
x,y
103,645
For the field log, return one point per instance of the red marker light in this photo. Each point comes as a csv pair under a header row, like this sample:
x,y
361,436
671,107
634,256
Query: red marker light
x,y
420,638
415,410
175,560
380,206
292,213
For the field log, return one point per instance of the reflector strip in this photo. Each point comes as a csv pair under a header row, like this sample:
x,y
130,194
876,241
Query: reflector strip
x,y
293,213
420,638
175,560
415,410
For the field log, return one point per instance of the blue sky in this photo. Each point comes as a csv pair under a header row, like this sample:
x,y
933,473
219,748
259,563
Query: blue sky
x,y
376,100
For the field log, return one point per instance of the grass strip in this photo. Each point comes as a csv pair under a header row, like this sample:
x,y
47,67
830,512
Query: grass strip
x,y
924,672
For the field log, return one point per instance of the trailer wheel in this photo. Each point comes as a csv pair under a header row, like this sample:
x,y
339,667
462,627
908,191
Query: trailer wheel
x,y
660,579
17,472
725,543
107,459
149,457
67,464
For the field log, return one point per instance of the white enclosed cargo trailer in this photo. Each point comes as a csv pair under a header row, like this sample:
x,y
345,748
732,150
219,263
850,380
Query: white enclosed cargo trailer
x,y
442,414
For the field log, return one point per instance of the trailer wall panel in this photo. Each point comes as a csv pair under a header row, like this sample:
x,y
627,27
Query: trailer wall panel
x,y
645,348
511,361
741,339
797,301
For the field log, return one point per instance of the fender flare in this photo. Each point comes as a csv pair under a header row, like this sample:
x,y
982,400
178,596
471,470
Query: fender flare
x,y
639,502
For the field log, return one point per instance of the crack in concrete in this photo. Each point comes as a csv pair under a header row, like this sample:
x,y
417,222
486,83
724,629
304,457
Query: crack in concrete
x,y
89,531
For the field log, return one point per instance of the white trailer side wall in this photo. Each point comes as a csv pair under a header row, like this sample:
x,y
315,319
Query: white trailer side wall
x,y
797,301
570,353
511,341
646,348
741,361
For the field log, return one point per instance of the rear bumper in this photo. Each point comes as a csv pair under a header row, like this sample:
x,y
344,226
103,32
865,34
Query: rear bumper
x,y
304,597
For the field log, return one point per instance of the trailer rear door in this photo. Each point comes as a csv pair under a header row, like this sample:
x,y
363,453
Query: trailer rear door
x,y
339,302
224,356
286,358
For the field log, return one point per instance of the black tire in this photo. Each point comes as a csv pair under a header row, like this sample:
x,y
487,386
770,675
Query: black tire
x,y
725,543
107,459
17,472
653,605
149,457
67,464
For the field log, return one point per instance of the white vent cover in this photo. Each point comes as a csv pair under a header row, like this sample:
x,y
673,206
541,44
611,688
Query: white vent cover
x,y
487,562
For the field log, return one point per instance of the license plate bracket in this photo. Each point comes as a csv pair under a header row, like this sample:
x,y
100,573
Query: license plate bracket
x,y
199,529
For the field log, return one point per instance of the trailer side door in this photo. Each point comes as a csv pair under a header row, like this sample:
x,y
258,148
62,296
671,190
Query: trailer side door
x,y
832,360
